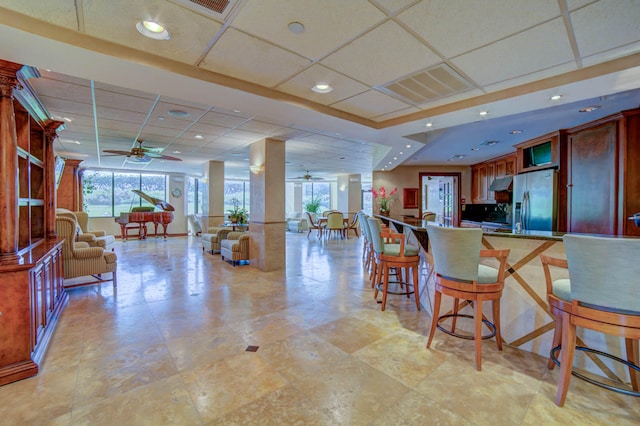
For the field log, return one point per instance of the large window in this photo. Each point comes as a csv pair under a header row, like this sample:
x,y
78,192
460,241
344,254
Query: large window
x,y
107,194
236,190
319,190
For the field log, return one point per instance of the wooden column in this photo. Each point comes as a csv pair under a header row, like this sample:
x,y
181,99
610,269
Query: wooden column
x,y
50,127
9,165
68,193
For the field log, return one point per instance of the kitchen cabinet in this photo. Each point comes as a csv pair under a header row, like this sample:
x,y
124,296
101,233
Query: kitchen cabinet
x,y
600,176
539,153
483,174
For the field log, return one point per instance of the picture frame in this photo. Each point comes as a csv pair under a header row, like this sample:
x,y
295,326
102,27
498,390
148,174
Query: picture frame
x,y
410,198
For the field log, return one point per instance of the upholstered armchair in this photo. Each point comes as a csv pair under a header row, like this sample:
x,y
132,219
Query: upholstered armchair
x,y
80,260
235,247
211,240
297,223
93,238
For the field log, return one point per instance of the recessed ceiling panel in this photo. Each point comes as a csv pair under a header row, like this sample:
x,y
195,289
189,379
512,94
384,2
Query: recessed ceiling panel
x,y
370,104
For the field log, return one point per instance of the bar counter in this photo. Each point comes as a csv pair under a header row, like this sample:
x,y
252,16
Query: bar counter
x,y
525,319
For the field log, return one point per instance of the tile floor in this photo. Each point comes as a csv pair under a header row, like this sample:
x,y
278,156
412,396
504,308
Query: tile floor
x,y
170,348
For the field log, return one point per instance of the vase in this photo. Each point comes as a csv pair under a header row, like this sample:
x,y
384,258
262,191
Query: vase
x,y
384,213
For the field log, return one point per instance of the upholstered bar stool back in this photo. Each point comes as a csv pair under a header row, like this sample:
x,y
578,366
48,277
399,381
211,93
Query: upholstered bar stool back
x,y
459,274
604,296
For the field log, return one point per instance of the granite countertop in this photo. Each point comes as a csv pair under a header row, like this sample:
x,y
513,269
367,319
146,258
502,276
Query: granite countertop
x,y
419,225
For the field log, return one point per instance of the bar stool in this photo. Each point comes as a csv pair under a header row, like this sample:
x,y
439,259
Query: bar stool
x,y
459,274
401,257
601,295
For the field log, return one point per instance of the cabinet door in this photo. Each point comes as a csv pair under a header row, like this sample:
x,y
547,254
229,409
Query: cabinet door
x,y
501,168
38,303
491,175
510,166
592,181
479,183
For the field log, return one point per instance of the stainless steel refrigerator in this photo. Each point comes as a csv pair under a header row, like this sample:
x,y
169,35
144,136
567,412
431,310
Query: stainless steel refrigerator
x,y
535,200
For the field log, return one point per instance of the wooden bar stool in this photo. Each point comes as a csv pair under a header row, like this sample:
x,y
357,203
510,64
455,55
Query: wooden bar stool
x,y
459,274
398,256
601,294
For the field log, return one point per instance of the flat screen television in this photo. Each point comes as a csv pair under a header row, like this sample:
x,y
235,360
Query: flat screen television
x,y
58,169
538,155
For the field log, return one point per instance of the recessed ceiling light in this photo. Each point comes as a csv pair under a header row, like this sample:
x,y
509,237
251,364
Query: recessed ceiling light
x,y
515,132
153,30
178,113
456,157
590,108
199,137
322,88
390,162
296,27
401,152
429,124
556,97
489,143
475,149
236,110
160,118
483,113
67,119
342,158
407,146
177,152
395,158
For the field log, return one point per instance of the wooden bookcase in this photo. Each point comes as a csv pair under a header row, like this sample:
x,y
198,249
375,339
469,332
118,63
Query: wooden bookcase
x,y
31,275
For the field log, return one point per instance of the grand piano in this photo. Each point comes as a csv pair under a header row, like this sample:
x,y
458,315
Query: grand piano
x,y
138,217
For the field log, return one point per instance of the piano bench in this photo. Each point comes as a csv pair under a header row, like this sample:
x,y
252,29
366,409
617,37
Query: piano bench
x,y
141,228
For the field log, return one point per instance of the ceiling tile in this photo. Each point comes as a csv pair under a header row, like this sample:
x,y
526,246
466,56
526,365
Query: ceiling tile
x,y
223,120
115,20
395,114
546,46
605,25
327,24
482,22
394,5
343,87
370,104
261,127
403,53
251,59
58,12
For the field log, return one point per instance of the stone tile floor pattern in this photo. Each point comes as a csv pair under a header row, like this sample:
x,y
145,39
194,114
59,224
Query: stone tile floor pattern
x,y
169,347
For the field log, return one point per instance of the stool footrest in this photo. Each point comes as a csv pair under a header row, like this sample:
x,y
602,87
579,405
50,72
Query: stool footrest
x,y
588,379
380,287
465,336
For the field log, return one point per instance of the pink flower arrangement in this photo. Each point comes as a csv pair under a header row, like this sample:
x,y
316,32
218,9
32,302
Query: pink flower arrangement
x,y
384,199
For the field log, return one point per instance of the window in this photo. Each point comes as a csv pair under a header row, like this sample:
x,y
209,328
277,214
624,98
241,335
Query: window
x,y
367,201
194,197
319,190
236,190
107,194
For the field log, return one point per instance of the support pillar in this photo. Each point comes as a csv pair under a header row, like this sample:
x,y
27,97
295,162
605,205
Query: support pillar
x,y
213,193
50,127
267,225
349,194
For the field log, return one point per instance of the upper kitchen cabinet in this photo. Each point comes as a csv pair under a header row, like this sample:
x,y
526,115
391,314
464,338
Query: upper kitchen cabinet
x,y
540,153
599,179
483,174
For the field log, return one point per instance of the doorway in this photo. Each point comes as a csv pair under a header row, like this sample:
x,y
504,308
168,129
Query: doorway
x,y
440,194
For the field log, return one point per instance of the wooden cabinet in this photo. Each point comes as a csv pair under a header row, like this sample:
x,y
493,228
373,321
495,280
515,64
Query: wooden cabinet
x,y
539,153
483,174
599,179
31,275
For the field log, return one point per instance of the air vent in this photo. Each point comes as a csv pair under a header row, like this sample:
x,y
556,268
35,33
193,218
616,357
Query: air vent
x,y
217,9
430,85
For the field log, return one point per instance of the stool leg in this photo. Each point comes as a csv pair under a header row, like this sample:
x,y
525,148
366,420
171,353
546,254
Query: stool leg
x,y
454,319
416,292
632,356
406,280
557,337
477,317
566,358
495,304
436,313
385,287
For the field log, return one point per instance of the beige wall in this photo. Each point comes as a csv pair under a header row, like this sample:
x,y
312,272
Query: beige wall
x,y
408,177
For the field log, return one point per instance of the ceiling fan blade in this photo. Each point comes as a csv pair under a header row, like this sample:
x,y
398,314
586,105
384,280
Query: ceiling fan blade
x,y
168,157
116,152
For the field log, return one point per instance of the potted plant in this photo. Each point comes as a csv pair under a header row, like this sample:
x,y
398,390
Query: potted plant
x,y
237,214
384,199
313,205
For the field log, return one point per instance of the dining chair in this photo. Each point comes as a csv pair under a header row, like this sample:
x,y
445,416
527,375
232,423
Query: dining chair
x,y
601,294
313,224
335,224
429,216
459,274
353,226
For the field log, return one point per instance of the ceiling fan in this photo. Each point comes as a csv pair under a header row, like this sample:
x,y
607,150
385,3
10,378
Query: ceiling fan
x,y
138,154
308,177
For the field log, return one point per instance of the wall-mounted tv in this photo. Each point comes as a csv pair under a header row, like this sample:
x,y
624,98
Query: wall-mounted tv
x,y
59,168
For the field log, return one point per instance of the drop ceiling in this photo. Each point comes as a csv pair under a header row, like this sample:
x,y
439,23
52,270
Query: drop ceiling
x,y
394,65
